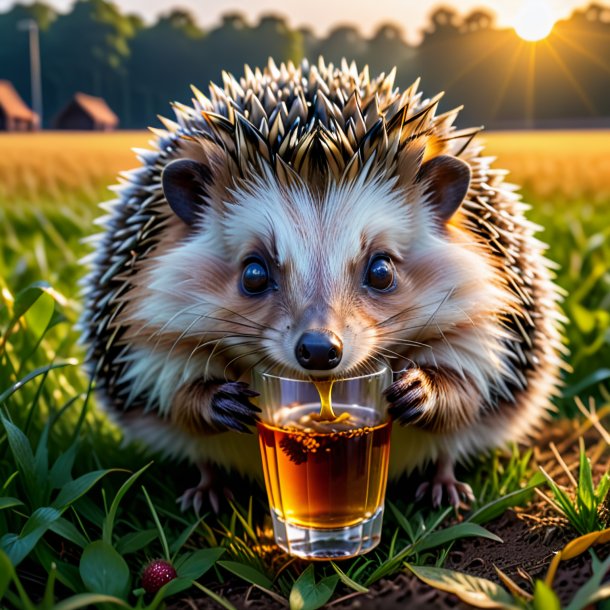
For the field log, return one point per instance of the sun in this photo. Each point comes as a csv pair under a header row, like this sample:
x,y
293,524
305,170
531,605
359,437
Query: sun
x,y
534,21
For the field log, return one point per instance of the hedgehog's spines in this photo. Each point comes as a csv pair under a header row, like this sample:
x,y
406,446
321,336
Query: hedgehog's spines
x,y
345,116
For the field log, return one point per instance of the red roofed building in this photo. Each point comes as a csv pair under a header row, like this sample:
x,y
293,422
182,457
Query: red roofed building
x,y
14,114
88,113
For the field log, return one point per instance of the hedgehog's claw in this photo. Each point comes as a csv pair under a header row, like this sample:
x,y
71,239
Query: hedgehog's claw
x,y
444,480
194,497
231,409
409,401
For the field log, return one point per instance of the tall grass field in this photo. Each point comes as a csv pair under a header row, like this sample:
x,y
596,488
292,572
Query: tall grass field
x,y
82,514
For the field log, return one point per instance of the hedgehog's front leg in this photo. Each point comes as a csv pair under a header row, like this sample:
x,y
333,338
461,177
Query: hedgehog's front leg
x,y
441,401
208,407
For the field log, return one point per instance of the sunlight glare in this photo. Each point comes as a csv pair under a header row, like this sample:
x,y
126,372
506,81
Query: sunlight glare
x,y
534,21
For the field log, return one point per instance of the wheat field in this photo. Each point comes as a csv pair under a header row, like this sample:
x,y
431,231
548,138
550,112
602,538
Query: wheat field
x,y
52,165
35,167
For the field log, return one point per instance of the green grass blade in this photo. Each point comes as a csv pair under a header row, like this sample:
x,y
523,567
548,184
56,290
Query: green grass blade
x,y
18,546
7,502
497,506
6,573
24,300
110,517
66,529
6,568
155,517
586,491
36,373
24,458
38,316
34,406
9,480
135,541
179,542
67,573
61,471
564,502
73,490
225,603
49,590
602,488
402,521
247,573
246,523
454,532
87,600
595,378
347,581
196,564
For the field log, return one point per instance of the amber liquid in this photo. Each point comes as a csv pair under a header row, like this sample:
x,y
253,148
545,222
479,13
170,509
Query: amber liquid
x,y
326,479
325,389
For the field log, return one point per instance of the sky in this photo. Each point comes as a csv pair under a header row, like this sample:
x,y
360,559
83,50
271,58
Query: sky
x,y
322,15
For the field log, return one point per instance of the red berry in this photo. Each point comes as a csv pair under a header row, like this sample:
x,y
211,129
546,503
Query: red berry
x,y
157,573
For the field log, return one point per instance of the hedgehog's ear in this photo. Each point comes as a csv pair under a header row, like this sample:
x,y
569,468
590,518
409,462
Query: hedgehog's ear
x,y
446,181
184,182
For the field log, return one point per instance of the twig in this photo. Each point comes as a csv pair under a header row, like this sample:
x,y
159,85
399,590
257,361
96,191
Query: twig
x,y
562,463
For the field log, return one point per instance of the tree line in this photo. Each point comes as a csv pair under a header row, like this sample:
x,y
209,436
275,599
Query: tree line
x,y
139,68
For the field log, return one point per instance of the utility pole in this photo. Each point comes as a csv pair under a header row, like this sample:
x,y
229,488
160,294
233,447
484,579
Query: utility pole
x,y
35,77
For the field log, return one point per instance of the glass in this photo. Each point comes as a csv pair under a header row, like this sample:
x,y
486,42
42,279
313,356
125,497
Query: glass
x,y
325,480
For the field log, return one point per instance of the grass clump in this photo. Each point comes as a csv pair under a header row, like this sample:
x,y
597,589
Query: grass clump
x,y
583,504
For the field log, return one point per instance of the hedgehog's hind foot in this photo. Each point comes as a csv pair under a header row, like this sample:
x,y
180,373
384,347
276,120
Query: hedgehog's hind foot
x,y
444,481
194,497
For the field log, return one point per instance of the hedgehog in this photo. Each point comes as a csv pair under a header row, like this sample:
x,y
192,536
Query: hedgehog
x,y
312,220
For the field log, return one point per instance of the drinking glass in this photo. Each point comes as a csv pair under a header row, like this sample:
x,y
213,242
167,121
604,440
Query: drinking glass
x,y
325,479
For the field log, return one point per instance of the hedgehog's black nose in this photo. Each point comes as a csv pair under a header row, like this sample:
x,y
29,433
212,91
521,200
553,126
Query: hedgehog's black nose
x,y
319,349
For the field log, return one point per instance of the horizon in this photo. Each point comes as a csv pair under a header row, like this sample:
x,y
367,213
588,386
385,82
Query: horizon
x,y
411,17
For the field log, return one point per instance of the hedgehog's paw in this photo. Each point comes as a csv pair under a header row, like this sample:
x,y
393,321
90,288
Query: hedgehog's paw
x,y
408,397
453,489
206,489
231,409
445,483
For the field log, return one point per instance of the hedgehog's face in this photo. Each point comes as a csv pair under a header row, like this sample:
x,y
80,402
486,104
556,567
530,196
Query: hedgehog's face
x,y
317,283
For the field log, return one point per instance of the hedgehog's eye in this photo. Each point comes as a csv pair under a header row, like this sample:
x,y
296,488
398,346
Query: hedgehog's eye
x,y
380,274
255,277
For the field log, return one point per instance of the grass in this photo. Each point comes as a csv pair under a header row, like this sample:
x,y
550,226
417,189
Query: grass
x,y
72,496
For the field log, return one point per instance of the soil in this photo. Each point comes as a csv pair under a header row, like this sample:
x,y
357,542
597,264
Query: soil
x,y
531,536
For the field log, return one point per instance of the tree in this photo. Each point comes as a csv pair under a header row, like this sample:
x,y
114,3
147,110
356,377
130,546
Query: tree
x,y
272,37
309,41
14,49
443,23
165,59
478,20
387,48
344,41
86,50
